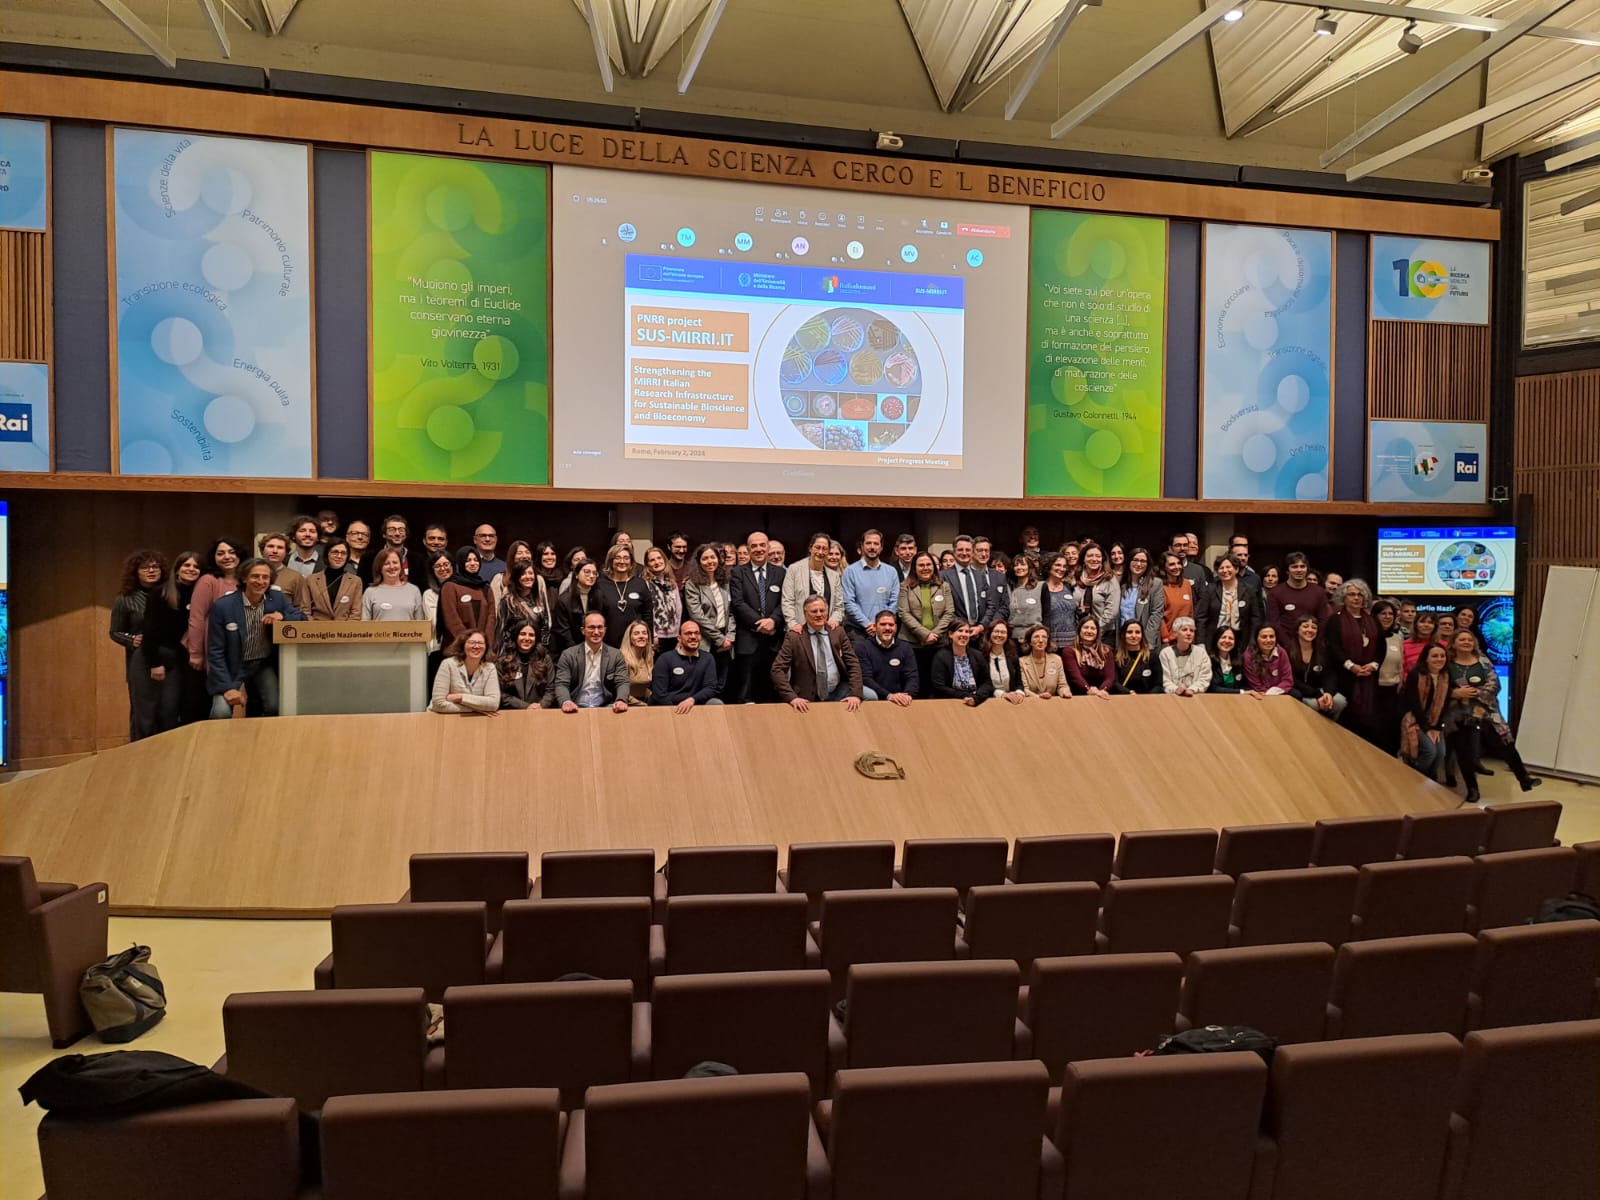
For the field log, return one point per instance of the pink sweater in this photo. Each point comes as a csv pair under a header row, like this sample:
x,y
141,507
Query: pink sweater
x,y
1275,674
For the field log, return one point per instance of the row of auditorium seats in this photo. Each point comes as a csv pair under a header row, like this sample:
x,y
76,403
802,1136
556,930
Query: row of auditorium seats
x,y
1509,1113
574,1035
443,943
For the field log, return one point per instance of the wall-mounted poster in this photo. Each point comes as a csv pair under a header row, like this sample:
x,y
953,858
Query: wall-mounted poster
x,y
24,170
212,306
1096,355
1434,462
1267,345
460,320
1424,279
24,416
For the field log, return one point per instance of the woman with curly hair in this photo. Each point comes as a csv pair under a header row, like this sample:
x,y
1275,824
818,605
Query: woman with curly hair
x,y
527,674
152,697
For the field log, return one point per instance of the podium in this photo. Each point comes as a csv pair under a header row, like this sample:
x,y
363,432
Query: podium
x,y
329,667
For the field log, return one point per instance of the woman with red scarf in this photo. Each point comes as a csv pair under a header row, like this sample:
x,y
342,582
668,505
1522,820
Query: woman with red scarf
x,y
1354,647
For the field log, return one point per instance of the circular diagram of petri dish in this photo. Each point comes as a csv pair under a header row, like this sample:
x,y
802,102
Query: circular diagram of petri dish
x,y
861,366
1466,566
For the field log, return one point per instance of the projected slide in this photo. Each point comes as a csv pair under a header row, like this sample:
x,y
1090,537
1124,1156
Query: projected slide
x,y
734,337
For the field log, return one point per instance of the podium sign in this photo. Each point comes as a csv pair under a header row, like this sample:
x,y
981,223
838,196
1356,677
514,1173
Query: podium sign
x,y
352,666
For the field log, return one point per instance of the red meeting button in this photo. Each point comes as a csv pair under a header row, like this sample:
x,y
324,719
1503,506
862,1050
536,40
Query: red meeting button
x,y
995,231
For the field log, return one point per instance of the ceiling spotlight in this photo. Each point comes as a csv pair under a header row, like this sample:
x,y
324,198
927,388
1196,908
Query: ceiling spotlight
x,y
1410,41
1326,26
1233,14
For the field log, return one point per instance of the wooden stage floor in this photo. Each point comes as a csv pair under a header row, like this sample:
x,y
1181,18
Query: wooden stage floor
x,y
295,815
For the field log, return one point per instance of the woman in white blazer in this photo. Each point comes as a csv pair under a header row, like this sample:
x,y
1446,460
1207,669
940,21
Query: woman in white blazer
x,y
466,683
813,578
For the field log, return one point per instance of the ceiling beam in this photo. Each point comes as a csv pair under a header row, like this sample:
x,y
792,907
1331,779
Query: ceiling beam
x,y
219,26
1560,162
702,39
1568,207
1435,16
1058,30
597,36
1146,63
1489,112
1490,46
153,41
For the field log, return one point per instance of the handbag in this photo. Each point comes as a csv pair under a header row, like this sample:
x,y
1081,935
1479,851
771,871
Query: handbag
x,y
124,995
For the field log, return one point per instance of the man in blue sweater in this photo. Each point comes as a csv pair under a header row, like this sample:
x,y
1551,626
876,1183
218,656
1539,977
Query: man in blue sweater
x,y
888,666
683,676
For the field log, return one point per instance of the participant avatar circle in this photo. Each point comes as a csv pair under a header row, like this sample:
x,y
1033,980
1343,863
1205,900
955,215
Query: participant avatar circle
x,y
850,380
1466,566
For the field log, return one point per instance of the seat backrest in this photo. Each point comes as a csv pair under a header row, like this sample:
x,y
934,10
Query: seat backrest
x,y
961,1130
757,1022
243,1149
1511,885
1401,985
817,867
1396,899
1280,990
590,874
1025,921
1165,853
1167,914
1100,1006
569,1035
546,939
907,1014
1242,848
735,933
1065,858
312,1045
1355,841
1525,825
19,896
493,877
721,870
1368,1117
889,925
1588,878
1207,1108
1529,974
431,946
1442,834
961,863
1312,904
495,1142
721,1138
1528,1109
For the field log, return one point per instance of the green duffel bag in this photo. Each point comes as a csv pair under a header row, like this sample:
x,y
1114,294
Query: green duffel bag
x,y
124,995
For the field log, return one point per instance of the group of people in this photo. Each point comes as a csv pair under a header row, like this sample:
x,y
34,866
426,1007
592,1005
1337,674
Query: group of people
x,y
740,622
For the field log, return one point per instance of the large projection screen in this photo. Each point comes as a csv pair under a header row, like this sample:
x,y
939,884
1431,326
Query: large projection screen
x,y
741,337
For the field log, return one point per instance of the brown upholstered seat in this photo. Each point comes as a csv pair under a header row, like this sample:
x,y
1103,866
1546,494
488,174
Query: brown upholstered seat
x,y
1509,887
817,867
431,946
1588,878
1100,1006
961,863
1179,915
1363,1118
757,1022
569,1036
1243,848
737,933
50,933
593,874
1280,990
607,938
1397,899
1164,853
492,877
907,1014
889,925
1355,841
1401,985
1067,858
1312,904
488,1143
242,1149
1529,974
312,1045
1525,825
1442,834
1025,921
716,871
1526,1111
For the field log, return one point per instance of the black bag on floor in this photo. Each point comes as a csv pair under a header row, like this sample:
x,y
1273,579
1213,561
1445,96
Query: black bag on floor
x,y
124,995
1575,907
1219,1039
122,1082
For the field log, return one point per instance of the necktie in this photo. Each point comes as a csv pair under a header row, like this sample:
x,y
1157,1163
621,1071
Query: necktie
x,y
819,653
971,594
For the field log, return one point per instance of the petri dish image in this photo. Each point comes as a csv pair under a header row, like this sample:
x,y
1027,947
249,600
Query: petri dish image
x,y
882,334
857,408
1466,566
881,437
813,335
824,404
830,367
866,368
848,333
900,368
794,403
796,366
892,408
866,364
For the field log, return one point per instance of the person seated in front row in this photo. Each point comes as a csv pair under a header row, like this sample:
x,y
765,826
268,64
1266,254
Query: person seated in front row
x,y
960,671
526,669
1313,681
592,674
1185,667
1000,659
1137,670
1090,667
1043,674
817,662
1227,664
1266,665
684,675
888,663
241,660
466,683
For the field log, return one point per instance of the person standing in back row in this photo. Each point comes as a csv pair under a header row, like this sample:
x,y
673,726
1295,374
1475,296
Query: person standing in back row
x,y
870,586
755,591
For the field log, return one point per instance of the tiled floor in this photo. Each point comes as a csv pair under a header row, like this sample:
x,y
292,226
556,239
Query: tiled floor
x,y
203,961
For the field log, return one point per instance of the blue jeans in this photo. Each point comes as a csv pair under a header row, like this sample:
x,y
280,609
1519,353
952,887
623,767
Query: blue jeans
x,y
1431,754
261,689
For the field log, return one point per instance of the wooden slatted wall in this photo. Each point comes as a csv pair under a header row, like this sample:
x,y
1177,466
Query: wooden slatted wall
x,y
1558,464
1417,371
24,296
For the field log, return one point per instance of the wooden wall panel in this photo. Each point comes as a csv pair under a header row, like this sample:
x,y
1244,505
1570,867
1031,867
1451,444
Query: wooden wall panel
x,y
1558,464
1417,371
24,296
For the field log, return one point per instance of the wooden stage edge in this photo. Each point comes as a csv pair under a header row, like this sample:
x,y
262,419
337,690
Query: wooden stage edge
x,y
289,817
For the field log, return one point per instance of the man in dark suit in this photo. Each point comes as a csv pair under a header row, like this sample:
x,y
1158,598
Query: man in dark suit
x,y
755,593
239,647
817,664
976,601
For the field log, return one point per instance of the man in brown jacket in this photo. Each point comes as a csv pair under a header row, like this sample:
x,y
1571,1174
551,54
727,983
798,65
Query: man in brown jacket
x,y
816,663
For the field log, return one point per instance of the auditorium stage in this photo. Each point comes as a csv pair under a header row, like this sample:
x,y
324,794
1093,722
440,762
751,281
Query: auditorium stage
x,y
289,817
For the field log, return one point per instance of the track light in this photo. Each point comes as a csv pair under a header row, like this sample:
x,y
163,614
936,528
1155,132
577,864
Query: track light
x,y
1325,26
1410,41
1232,15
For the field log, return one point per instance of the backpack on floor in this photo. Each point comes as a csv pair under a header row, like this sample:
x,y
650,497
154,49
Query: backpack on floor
x,y
1219,1039
124,995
